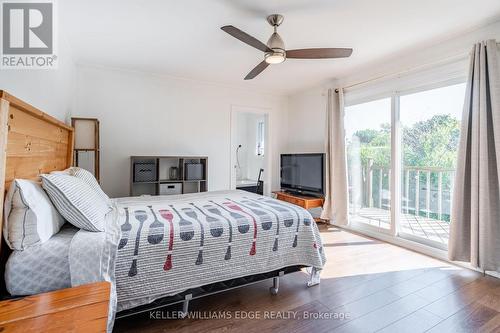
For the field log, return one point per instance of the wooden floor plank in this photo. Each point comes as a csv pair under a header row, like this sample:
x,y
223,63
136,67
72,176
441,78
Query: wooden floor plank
x,y
491,326
416,322
420,282
383,316
301,322
470,319
454,302
449,285
368,288
364,306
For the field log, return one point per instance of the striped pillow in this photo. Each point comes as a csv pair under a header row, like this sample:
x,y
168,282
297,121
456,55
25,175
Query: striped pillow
x,y
77,202
90,180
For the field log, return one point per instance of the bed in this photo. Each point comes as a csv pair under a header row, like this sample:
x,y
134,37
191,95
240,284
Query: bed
x,y
155,251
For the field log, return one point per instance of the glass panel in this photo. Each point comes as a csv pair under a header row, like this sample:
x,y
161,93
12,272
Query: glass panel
x,y
368,144
430,123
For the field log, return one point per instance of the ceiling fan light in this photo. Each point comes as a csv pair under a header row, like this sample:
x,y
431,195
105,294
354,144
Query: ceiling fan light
x,y
274,58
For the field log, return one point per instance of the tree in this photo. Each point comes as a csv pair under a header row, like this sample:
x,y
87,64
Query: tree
x,y
432,143
429,143
366,135
375,145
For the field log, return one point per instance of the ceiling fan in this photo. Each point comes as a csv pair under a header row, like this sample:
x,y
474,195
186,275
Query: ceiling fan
x,y
274,51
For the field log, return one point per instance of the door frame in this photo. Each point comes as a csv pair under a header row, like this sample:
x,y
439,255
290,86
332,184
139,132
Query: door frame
x,y
241,109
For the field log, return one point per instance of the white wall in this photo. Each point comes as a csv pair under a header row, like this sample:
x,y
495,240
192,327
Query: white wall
x,y
142,114
306,118
307,108
51,90
423,55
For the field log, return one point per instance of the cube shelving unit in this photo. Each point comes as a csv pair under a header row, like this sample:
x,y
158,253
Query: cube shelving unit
x,y
160,175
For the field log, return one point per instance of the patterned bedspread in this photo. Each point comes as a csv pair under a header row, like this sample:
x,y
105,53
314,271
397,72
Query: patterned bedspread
x,y
170,244
161,246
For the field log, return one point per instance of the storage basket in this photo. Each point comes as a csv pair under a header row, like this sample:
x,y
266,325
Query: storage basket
x,y
145,171
170,188
194,171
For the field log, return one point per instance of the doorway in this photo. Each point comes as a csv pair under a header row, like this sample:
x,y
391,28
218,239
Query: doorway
x,y
250,149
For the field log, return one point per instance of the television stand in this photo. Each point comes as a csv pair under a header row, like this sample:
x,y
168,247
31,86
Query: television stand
x,y
304,201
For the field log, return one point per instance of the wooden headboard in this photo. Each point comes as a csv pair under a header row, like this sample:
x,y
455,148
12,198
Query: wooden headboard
x,y
31,143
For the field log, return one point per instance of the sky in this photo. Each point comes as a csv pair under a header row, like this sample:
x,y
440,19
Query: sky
x,y
414,107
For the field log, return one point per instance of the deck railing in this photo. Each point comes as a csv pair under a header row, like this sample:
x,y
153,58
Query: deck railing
x,y
426,191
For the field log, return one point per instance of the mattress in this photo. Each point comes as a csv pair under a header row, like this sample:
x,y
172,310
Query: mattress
x,y
41,268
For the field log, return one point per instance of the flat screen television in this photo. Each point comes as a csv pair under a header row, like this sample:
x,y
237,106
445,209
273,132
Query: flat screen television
x,y
303,173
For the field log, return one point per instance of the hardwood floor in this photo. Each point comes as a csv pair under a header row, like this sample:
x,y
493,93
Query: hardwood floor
x,y
366,286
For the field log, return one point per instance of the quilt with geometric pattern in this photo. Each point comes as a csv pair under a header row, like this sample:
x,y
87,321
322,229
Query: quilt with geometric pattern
x,y
168,245
160,246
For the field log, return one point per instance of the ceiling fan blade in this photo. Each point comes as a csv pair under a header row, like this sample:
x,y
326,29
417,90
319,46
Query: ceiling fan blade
x,y
257,70
322,53
246,38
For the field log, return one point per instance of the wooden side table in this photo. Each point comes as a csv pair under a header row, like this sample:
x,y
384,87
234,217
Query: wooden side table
x,y
306,202
79,309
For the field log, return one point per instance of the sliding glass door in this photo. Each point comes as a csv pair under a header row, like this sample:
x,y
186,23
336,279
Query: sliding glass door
x,y
368,143
430,123
409,140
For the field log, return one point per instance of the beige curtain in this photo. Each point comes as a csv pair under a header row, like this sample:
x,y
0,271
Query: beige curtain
x,y
475,218
336,199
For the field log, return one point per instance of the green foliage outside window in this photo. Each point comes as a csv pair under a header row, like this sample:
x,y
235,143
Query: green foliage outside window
x,y
428,143
432,143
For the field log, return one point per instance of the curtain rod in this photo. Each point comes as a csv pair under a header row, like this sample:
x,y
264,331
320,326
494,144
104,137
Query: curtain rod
x,y
444,60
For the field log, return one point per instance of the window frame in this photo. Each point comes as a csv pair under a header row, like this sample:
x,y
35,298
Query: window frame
x,y
396,158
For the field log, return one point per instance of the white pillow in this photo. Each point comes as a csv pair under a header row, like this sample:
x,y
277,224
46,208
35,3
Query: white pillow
x,y
30,216
76,201
90,180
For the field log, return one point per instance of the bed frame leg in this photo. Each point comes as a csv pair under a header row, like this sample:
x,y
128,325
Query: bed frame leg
x,y
276,283
314,278
185,305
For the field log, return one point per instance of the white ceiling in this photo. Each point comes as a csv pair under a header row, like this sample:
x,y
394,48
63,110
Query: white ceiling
x,y
183,38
